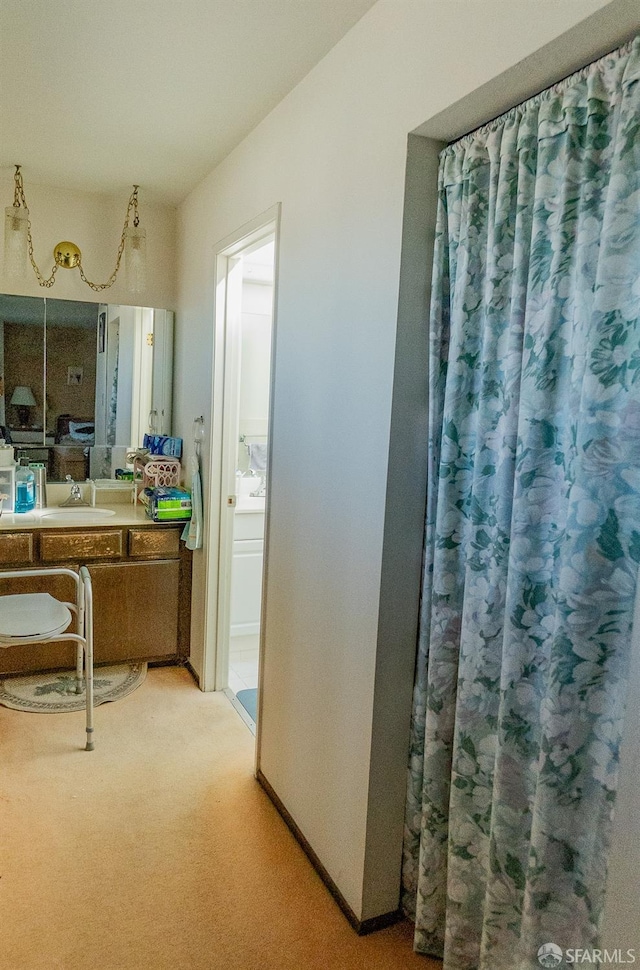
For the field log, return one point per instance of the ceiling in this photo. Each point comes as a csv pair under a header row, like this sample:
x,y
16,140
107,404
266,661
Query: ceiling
x,y
98,94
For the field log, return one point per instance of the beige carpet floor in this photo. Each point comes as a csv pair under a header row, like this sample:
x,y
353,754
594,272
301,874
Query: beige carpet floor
x,y
159,850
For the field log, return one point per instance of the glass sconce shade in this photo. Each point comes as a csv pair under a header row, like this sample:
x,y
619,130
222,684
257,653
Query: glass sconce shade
x,y
135,256
16,220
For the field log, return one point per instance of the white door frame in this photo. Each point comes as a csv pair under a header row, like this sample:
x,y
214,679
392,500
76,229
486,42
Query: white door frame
x,y
221,477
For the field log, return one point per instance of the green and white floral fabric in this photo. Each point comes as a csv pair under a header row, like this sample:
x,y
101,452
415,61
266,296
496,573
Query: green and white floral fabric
x,y
533,525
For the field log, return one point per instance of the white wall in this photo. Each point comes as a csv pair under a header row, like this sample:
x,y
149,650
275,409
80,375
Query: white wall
x,y
257,302
94,223
336,692
255,365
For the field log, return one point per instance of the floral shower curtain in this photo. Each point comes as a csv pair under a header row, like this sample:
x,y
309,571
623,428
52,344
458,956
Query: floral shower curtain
x,y
533,525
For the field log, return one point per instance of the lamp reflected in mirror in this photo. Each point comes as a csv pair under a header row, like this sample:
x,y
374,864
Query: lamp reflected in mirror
x,y
23,400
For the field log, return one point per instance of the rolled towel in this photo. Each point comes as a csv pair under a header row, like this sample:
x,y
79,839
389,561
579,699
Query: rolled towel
x,y
258,458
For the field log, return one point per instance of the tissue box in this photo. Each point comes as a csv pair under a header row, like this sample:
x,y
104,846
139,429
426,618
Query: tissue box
x,y
160,444
166,504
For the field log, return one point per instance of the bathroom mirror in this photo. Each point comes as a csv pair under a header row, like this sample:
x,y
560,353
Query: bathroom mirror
x,y
80,383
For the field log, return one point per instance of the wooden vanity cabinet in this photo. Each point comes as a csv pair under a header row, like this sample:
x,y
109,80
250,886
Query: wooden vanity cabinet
x,y
135,609
141,578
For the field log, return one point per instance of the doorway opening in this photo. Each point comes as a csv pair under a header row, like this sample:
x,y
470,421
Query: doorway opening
x,y
245,301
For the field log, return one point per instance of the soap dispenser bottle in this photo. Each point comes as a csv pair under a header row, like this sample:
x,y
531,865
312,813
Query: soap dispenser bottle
x,y
25,487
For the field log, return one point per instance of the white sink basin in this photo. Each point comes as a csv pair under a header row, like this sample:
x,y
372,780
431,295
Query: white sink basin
x,y
87,515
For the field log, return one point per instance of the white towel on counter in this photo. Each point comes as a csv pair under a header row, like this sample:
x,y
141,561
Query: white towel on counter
x,y
258,458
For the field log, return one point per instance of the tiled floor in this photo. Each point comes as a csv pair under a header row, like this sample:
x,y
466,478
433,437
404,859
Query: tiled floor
x,y
243,662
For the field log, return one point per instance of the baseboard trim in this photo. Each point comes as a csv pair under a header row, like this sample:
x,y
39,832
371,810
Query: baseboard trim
x,y
362,927
187,665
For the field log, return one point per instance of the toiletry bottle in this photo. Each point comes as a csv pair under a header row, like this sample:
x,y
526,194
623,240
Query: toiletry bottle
x,y
25,487
39,470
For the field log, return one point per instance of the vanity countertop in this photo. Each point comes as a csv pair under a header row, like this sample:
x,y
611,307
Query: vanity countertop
x,y
124,515
250,503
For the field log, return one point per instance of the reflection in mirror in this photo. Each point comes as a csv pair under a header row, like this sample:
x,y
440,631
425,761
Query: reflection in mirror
x,y
80,383
70,381
22,346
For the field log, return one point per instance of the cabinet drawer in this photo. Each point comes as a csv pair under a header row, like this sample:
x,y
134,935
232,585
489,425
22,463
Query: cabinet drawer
x,y
79,546
154,543
16,547
248,525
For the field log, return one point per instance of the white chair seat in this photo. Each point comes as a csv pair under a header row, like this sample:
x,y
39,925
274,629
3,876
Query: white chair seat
x,y
31,617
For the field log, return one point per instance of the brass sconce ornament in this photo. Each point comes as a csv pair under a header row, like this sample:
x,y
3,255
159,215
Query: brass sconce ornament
x,y
18,245
67,255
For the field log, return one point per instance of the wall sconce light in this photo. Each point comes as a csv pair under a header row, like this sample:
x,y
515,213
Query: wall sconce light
x,y
23,400
18,246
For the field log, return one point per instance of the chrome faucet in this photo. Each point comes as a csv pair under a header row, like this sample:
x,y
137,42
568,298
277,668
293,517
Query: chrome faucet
x,y
75,496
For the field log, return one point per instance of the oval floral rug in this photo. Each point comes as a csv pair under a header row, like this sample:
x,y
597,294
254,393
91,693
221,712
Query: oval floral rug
x,y
55,693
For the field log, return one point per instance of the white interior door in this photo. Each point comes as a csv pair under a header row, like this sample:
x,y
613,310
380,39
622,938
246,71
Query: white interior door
x,y
229,448
224,448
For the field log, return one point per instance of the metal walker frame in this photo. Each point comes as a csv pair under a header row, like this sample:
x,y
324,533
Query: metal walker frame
x,y
83,637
